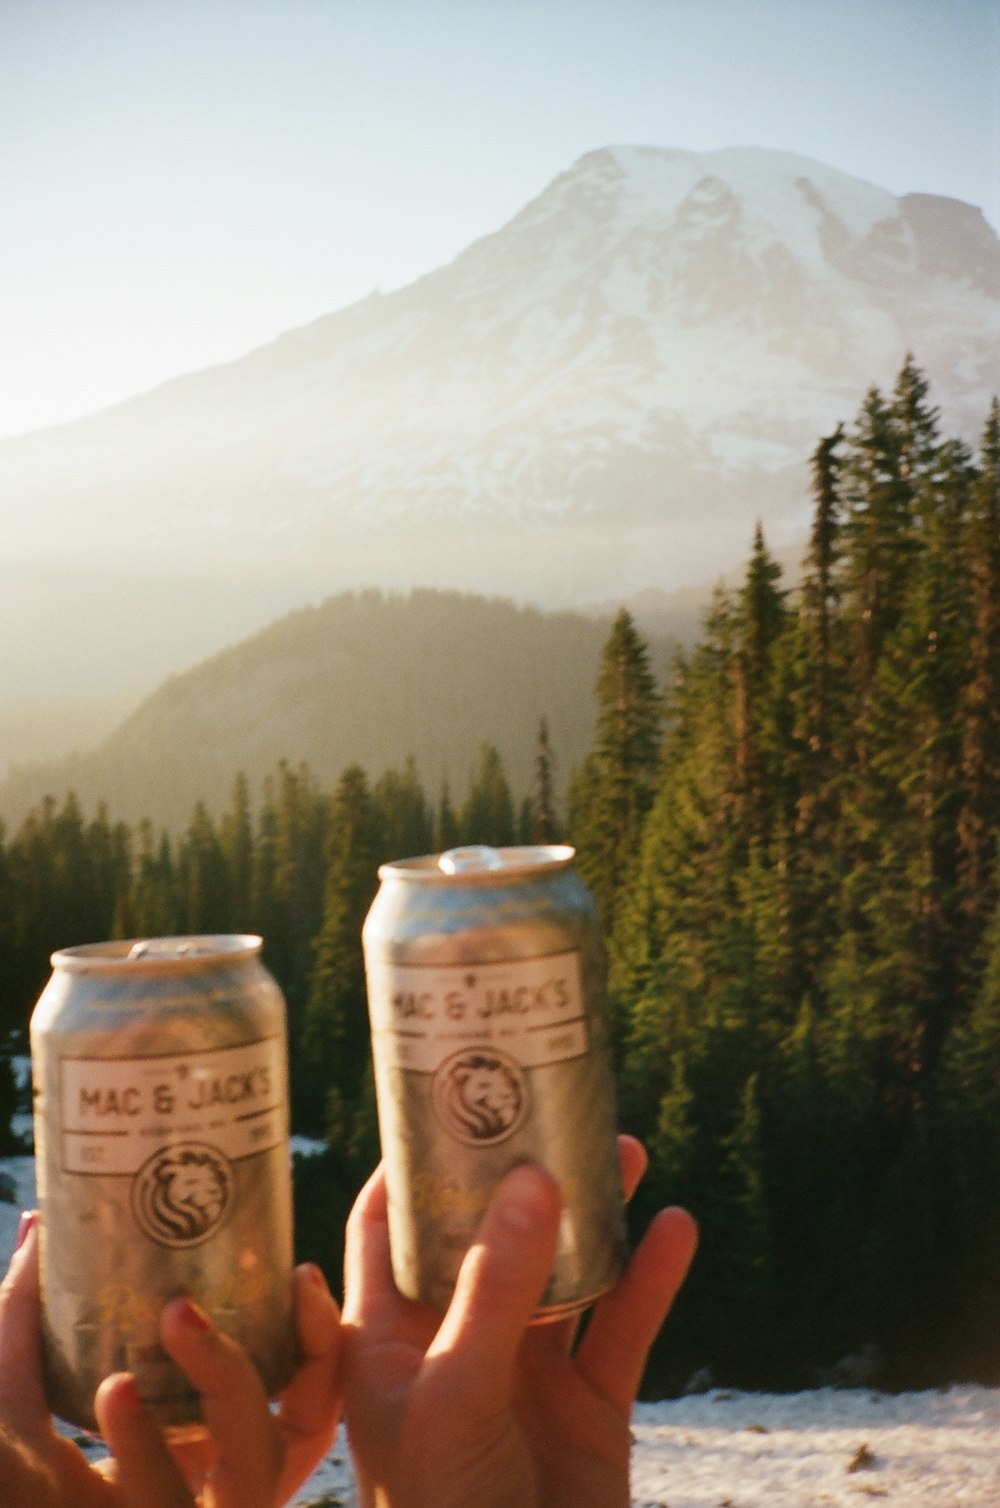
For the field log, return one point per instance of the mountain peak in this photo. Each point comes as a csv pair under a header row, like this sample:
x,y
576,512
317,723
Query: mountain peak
x,y
601,395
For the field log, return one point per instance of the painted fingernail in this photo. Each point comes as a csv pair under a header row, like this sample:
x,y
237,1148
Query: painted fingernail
x,y
129,1400
193,1316
315,1276
28,1220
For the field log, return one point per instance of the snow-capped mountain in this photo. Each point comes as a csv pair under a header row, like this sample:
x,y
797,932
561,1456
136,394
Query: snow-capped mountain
x,y
600,397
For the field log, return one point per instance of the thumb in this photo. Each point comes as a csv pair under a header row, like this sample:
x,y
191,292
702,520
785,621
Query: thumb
x,y
501,1280
22,1397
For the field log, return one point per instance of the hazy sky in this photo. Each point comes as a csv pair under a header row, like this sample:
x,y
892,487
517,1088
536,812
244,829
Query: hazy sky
x,y
180,180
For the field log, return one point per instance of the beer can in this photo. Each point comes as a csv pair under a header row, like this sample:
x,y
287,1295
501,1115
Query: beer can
x,y
490,1044
161,1143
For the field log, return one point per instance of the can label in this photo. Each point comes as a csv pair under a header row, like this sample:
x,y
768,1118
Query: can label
x,y
176,1123
116,1110
476,1028
531,1007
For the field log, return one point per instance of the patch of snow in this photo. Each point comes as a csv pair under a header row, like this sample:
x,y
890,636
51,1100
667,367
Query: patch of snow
x,y
838,1448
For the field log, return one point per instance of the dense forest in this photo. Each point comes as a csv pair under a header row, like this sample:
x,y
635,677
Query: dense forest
x,y
793,845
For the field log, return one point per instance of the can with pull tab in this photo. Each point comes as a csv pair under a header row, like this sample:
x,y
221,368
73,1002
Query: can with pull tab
x,y
485,971
161,1144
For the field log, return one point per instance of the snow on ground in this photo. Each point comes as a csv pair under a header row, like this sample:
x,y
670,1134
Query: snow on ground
x,y
837,1448
834,1447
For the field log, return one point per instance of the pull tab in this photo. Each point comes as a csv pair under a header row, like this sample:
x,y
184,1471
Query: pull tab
x,y
170,947
477,856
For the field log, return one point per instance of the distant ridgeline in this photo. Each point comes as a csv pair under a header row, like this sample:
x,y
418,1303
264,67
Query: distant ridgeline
x,y
364,678
794,847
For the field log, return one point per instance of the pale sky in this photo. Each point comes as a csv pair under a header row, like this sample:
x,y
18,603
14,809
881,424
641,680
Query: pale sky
x,y
181,180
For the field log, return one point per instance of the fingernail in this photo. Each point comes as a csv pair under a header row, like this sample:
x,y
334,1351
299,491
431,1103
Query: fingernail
x,y
193,1316
28,1219
315,1275
525,1200
128,1395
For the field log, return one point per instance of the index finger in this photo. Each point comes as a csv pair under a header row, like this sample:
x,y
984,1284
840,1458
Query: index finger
x,y
309,1408
371,1297
625,1322
249,1454
368,1279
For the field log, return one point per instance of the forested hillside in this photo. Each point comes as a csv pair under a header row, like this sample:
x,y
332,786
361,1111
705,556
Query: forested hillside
x,y
364,678
793,843
806,944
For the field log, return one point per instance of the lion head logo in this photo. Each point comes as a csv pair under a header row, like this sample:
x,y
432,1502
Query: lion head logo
x,y
480,1096
181,1193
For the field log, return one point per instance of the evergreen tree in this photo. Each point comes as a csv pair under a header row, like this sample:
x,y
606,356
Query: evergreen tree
x,y
407,822
447,833
614,789
690,832
334,1048
543,825
153,905
878,532
816,676
979,721
289,868
203,876
487,815
759,713
819,603
236,842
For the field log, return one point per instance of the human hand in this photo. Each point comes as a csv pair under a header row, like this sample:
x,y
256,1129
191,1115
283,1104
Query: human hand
x,y
479,1407
251,1457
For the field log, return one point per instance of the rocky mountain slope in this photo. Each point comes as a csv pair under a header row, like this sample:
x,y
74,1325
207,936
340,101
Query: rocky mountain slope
x,y
600,397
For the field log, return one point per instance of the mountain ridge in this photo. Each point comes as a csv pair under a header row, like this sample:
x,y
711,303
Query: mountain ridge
x,y
365,677
597,398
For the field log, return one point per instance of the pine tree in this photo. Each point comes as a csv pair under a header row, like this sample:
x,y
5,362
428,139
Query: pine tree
x,y
334,1046
759,713
916,422
289,890
979,819
154,908
614,789
543,825
204,878
819,601
487,815
407,822
816,676
678,890
447,833
236,841
878,532
749,1243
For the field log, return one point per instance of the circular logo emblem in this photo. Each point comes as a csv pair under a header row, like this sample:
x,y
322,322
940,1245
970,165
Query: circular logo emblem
x,y
181,1193
480,1096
